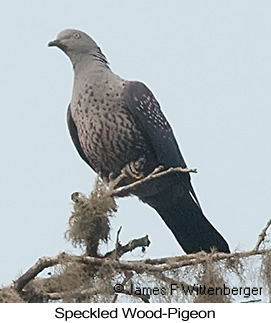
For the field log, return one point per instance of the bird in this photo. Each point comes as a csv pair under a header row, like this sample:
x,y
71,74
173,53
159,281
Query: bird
x,y
115,122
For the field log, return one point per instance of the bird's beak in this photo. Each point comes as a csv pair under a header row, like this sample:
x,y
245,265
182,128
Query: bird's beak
x,y
59,44
55,42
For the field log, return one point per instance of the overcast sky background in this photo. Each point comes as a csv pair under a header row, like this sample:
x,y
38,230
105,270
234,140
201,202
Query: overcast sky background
x,y
208,64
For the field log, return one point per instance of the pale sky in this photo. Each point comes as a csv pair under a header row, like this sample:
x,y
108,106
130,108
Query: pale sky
x,y
208,64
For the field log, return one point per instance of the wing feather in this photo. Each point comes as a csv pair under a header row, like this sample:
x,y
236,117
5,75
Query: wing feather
x,y
155,128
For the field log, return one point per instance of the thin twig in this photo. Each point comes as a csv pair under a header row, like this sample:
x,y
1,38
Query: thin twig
x,y
262,235
120,249
117,244
127,189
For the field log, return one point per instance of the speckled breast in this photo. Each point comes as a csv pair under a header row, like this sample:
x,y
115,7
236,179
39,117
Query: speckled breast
x,y
107,132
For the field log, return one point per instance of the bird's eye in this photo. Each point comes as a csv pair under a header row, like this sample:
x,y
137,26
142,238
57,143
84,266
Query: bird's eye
x,y
76,35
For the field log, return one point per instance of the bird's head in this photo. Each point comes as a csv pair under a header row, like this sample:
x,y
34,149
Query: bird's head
x,y
73,40
76,44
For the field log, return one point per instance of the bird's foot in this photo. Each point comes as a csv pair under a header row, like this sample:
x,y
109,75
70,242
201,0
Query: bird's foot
x,y
134,169
131,171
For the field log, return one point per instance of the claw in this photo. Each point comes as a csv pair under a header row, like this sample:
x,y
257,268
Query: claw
x,y
134,169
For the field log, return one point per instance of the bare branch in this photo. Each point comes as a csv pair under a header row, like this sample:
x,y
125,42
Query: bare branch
x,y
37,268
157,173
169,263
144,266
153,267
120,249
262,235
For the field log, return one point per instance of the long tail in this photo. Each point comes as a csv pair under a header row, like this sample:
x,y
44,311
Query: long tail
x,y
185,219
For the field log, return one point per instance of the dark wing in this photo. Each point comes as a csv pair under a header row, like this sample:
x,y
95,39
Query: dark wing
x,y
147,113
155,128
74,135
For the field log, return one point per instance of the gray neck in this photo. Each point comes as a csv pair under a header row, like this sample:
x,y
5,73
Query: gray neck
x,y
91,69
86,62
